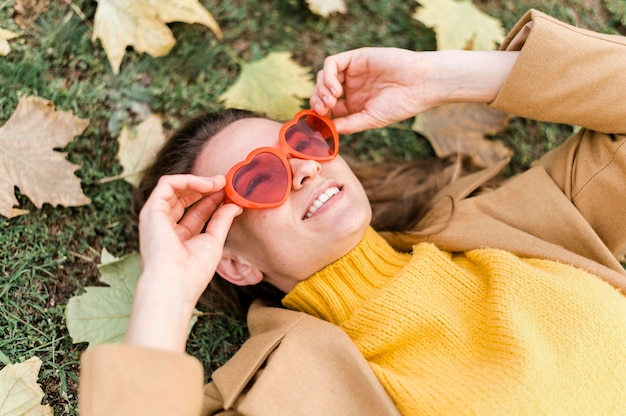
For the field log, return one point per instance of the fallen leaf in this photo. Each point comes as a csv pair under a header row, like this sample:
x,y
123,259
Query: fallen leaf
x,y
27,12
326,7
19,392
5,36
461,128
27,158
101,314
274,86
142,25
460,25
137,148
16,212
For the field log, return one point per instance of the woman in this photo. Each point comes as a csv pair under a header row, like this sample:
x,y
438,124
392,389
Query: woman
x,y
501,304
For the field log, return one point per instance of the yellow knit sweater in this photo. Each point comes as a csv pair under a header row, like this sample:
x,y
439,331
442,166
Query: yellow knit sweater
x,y
479,333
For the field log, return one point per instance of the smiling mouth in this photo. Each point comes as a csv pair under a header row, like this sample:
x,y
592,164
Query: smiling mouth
x,y
321,200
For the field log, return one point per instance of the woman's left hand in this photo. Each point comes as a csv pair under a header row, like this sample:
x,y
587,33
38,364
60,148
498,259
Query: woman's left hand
x,y
178,258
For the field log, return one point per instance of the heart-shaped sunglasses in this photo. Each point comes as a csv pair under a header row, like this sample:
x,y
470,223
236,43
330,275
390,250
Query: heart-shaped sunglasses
x,y
263,180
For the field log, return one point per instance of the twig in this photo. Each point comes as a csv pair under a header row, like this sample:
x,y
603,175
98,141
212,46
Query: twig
x,y
77,10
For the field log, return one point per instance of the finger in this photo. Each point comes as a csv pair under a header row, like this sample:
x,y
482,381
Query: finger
x,y
185,188
332,76
355,123
169,200
322,100
340,109
181,191
195,218
221,221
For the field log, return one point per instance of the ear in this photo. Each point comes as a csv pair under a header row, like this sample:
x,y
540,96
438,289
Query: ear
x,y
238,271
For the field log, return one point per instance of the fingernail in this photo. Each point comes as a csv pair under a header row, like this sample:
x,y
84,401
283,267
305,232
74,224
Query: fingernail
x,y
333,91
318,107
325,99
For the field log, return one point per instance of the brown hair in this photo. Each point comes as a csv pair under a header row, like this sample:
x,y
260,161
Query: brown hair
x,y
399,195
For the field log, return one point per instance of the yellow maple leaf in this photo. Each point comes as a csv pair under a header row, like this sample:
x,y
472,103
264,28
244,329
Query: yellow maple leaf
x,y
326,7
460,25
28,161
142,25
274,86
5,36
139,147
19,392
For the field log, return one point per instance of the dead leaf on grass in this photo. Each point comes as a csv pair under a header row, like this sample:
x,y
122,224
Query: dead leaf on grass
x,y
139,146
326,7
28,161
142,25
27,12
460,25
274,86
19,392
101,314
5,36
461,128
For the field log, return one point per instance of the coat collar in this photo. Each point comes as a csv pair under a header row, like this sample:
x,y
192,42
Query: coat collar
x,y
267,327
463,187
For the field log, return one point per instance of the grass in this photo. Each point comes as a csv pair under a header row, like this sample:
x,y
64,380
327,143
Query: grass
x,y
52,253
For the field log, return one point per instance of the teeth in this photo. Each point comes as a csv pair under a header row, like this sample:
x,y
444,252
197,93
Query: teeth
x,y
325,196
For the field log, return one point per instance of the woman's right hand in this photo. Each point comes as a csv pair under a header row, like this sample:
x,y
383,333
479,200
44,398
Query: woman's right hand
x,y
178,259
369,88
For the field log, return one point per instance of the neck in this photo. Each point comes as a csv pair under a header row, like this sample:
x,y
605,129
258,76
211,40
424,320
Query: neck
x,y
333,292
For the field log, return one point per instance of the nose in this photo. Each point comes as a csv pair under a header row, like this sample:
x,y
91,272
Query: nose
x,y
302,171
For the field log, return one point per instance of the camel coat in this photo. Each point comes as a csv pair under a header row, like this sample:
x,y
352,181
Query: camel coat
x,y
569,207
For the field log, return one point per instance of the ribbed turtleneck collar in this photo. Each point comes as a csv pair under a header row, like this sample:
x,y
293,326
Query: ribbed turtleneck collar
x,y
333,292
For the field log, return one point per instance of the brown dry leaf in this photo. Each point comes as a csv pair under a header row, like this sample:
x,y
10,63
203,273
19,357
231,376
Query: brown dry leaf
x,y
142,25
5,36
326,7
139,147
27,12
19,392
461,129
28,161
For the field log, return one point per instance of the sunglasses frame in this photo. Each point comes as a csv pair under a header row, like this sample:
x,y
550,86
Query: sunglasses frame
x,y
281,152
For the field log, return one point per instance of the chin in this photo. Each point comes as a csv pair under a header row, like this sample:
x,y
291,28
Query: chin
x,y
352,228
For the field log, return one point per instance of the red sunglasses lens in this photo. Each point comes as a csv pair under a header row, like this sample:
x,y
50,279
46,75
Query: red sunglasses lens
x,y
311,136
263,180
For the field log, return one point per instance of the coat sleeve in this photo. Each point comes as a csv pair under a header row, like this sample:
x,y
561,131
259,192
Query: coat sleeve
x,y
565,74
127,380
570,75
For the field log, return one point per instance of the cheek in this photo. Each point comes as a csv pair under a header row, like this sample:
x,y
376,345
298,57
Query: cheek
x,y
248,228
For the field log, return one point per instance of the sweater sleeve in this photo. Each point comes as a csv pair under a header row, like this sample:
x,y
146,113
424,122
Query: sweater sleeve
x,y
127,380
565,75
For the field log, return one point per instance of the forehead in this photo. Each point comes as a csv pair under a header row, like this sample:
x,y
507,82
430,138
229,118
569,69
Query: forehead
x,y
233,143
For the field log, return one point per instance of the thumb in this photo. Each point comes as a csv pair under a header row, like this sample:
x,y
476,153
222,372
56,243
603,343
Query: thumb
x,y
221,221
214,236
354,123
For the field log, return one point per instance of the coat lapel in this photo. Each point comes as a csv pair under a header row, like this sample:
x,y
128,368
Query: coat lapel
x,y
267,327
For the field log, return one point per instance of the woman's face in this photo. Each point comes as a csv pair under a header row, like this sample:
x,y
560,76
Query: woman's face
x,y
288,243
